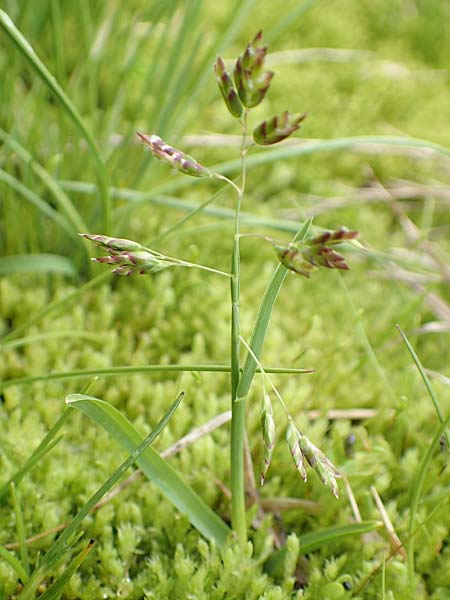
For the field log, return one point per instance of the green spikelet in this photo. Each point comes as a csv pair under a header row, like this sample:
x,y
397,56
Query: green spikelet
x,y
303,449
269,434
293,441
324,468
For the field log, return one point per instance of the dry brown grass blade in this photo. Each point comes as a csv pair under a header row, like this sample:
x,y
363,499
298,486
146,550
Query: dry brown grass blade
x,y
396,544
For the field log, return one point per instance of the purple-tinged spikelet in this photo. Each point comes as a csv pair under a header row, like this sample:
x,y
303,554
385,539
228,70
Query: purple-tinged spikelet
x,y
252,82
129,257
179,160
227,89
277,128
307,256
112,245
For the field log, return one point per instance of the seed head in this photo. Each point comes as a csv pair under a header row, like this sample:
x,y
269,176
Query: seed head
x,y
277,128
307,256
227,89
269,434
129,257
133,263
180,161
252,82
324,468
303,449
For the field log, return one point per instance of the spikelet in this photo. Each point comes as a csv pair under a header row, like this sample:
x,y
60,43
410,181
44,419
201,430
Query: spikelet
x,y
302,449
277,128
269,434
252,82
307,256
180,161
293,441
112,245
227,89
129,257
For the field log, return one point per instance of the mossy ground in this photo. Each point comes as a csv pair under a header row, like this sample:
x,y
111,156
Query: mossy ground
x,y
144,548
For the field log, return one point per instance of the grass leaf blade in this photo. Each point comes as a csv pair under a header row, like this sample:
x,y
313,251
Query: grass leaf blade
x,y
37,263
425,379
60,545
14,563
57,587
25,48
154,467
263,318
316,539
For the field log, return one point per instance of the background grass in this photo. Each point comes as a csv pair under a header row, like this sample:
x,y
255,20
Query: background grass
x,y
134,66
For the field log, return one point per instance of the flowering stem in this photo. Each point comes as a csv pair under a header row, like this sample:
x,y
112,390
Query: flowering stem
x,y
238,519
183,263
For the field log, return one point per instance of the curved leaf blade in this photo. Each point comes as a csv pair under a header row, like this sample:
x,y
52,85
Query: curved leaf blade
x,y
155,468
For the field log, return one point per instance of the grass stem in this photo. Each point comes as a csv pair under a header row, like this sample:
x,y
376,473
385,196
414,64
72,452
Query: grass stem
x,y
238,519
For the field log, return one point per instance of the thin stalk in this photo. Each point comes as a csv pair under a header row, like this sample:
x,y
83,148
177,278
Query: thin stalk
x,y
204,268
266,378
238,519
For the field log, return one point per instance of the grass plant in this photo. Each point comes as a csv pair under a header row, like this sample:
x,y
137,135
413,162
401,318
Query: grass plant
x,y
372,154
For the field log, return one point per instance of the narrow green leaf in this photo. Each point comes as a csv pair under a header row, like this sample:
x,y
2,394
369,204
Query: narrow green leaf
x,y
57,587
334,145
117,371
77,223
37,202
263,317
37,263
154,467
15,564
47,444
20,527
60,546
426,381
316,539
25,48
416,491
